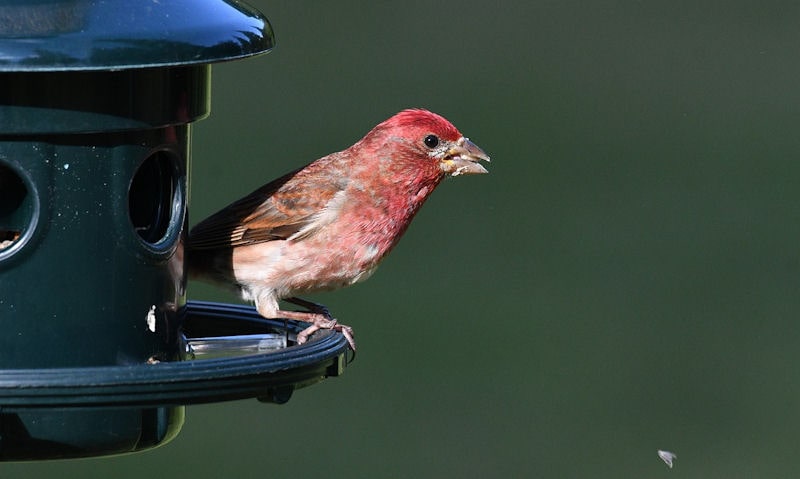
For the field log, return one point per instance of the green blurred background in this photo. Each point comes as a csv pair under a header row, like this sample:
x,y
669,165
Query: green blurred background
x,y
625,279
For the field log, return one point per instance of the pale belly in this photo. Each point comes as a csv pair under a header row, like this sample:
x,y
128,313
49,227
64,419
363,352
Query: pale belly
x,y
294,268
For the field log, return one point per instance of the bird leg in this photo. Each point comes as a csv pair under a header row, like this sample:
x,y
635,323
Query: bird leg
x,y
310,306
319,317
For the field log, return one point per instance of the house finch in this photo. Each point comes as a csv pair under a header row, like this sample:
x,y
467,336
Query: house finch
x,y
330,223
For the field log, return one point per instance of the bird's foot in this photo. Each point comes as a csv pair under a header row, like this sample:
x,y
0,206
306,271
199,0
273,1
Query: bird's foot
x,y
325,323
319,317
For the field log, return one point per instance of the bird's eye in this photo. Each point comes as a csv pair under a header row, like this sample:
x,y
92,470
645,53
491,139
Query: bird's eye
x,y
431,141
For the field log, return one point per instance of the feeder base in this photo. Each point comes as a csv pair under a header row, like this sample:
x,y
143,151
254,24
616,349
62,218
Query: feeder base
x,y
64,413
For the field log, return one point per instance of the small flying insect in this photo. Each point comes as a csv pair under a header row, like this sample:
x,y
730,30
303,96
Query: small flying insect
x,y
667,457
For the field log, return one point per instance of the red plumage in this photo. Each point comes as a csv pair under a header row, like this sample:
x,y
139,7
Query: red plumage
x,y
330,223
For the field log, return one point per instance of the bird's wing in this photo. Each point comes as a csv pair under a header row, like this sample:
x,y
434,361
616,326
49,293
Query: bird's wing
x,y
290,207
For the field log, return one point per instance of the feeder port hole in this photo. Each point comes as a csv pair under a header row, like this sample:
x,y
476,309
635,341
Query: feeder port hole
x,y
13,212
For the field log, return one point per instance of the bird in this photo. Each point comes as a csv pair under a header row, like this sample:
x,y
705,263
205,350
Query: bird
x,y
329,224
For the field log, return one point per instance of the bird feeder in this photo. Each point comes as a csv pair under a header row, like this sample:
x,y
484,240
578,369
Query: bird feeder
x,y
99,349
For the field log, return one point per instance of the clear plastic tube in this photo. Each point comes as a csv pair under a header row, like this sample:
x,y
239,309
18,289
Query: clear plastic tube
x,y
226,346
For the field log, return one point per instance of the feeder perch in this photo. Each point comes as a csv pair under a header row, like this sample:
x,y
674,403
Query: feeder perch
x,y
100,351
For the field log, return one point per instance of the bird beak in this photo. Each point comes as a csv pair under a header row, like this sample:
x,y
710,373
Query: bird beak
x,y
462,158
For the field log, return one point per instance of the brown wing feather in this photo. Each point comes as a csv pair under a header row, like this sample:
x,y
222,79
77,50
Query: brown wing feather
x,y
275,211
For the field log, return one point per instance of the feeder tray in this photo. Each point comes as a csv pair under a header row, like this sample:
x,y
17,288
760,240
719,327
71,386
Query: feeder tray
x,y
238,368
82,412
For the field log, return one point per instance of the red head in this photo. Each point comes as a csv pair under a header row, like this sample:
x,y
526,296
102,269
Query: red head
x,y
426,135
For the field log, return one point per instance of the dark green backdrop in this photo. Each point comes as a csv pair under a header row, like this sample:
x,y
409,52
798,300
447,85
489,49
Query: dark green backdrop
x,y
625,279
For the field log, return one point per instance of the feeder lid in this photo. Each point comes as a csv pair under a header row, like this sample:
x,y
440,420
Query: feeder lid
x,y
62,35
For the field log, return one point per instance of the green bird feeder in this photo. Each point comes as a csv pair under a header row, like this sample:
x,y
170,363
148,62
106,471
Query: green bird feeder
x,y
100,351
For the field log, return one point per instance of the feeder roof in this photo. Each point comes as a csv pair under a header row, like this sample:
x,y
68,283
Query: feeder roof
x,y
68,35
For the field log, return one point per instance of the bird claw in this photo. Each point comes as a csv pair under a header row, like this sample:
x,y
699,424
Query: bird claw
x,y
303,335
331,324
347,331
320,318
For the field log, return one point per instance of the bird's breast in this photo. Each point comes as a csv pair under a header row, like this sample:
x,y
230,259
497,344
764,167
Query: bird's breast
x,y
341,251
